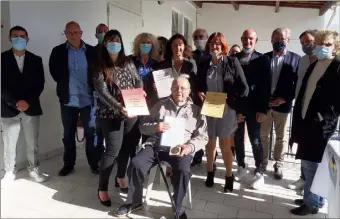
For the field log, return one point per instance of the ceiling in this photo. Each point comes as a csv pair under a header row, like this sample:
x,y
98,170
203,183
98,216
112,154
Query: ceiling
x,y
323,6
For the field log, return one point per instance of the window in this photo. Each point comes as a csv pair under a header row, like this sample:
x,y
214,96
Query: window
x,y
187,28
175,23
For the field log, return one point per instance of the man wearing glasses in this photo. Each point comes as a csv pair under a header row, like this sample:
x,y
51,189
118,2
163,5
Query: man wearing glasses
x,y
283,70
69,66
200,37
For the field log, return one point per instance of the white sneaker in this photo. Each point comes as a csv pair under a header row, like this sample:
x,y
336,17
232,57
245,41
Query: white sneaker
x,y
240,174
8,179
37,176
257,182
297,185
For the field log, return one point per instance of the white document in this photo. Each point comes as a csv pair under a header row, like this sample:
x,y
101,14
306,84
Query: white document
x,y
163,79
175,135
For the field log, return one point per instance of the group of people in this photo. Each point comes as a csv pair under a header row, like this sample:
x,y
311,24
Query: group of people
x,y
260,91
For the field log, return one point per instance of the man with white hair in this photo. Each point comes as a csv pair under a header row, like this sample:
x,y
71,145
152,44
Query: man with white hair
x,y
177,105
283,67
200,37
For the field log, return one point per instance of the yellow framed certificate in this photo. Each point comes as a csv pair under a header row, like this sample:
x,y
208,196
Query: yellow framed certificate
x,y
214,104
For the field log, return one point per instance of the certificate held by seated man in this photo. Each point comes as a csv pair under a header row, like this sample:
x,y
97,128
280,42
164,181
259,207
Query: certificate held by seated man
x,y
135,102
174,136
214,104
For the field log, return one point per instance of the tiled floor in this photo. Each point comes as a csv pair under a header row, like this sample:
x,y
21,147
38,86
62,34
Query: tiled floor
x,y
75,196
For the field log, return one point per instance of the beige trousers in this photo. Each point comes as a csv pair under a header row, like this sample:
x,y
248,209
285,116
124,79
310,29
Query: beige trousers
x,y
280,129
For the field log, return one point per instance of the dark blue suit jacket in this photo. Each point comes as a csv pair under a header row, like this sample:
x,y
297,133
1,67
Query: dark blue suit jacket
x,y
286,84
258,80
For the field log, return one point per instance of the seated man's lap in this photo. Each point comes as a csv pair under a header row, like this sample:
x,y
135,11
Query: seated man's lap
x,y
177,163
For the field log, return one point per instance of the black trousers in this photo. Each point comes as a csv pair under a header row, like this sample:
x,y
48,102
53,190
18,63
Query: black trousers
x,y
119,136
254,129
144,161
69,118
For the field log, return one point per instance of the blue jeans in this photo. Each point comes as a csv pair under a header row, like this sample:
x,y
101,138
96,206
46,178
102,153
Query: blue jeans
x,y
309,169
255,139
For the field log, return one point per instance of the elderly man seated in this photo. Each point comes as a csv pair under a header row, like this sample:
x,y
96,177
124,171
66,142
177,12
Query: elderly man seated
x,y
178,105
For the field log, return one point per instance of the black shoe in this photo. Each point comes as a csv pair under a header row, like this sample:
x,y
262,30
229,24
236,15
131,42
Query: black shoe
x,y
229,183
300,202
123,190
106,203
209,182
196,161
304,210
65,171
183,216
95,170
278,174
126,209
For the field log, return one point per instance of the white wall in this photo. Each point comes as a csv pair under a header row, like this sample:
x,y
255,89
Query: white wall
x,y
147,16
223,18
45,22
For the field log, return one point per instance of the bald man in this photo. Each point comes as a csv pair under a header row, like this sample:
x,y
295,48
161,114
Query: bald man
x,y
253,108
178,105
69,66
101,30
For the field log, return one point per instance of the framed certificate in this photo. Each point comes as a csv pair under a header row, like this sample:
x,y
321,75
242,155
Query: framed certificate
x,y
214,104
135,102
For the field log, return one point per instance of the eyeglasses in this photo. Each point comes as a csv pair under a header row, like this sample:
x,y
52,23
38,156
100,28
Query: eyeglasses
x,y
199,37
77,32
247,38
182,89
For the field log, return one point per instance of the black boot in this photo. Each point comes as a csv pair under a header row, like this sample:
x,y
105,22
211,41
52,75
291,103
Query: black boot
x,y
229,183
209,182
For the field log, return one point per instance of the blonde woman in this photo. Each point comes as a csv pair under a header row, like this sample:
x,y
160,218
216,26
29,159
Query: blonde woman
x,y
315,114
145,50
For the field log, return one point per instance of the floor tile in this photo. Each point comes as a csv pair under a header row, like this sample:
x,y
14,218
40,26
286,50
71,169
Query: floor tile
x,y
220,209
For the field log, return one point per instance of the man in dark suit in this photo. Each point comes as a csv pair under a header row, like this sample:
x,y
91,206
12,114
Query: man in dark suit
x,y
200,37
252,109
283,67
22,82
101,30
70,66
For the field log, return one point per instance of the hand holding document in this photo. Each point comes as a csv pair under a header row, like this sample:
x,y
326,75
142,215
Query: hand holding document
x,y
163,80
174,136
135,103
214,104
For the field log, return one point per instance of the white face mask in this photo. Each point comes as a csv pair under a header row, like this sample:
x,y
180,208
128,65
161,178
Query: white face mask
x,y
200,44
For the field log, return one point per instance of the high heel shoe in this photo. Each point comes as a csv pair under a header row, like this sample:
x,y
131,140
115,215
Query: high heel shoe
x,y
209,182
123,190
229,183
106,203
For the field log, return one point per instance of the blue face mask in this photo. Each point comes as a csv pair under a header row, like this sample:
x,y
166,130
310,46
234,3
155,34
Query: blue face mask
x,y
279,46
113,47
18,43
145,48
248,50
321,52
100,37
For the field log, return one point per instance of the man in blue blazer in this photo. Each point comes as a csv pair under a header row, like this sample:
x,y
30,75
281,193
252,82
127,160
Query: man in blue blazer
x,y
283,66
